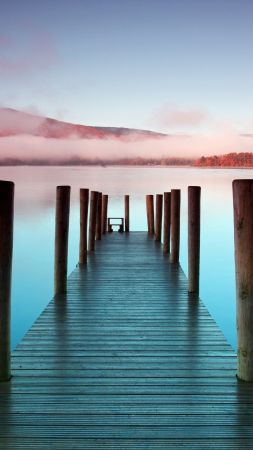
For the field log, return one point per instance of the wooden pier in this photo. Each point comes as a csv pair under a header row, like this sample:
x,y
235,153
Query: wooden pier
x,y
126,359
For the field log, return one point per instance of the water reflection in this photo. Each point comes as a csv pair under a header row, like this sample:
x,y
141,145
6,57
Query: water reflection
x,y
34,229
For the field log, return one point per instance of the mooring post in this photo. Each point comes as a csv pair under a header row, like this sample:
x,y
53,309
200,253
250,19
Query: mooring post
x,y
99,217
6,246
147,211
127,213
104,212
175,225
243,235
84,207
194,193
150,213
93,217
61,239
158,217
166,223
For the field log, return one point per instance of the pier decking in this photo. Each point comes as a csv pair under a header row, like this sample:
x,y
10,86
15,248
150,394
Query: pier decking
x,y
127,359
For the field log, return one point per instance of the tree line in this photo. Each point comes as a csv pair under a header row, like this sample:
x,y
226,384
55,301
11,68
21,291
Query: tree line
x,y
243,159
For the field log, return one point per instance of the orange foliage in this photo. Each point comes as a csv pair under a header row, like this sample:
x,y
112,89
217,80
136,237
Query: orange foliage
x,y
228,160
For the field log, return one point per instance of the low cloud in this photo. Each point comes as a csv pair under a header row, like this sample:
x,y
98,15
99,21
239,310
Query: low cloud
x,y
247,135
27,148
30,138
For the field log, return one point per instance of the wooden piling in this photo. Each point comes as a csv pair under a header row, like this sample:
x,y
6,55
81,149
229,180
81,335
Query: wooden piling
x,y
99,217
147,211
92,222
127,214
166,223
84,207
175,225
61,238
104,212
150,213
194,193
243,235
158,217
6,246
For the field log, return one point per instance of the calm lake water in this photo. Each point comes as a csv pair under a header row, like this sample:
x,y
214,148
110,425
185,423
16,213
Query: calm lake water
x,y
34,229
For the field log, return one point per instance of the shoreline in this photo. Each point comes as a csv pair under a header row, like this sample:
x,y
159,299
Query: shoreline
x,y
132,166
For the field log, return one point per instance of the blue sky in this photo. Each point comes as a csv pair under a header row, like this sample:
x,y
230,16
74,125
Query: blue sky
x,y
175,66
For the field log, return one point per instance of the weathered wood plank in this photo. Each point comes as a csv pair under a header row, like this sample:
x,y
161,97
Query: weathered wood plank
x,y
125,359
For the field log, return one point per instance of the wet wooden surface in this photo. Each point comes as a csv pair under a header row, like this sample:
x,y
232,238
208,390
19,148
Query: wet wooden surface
x,y
127,359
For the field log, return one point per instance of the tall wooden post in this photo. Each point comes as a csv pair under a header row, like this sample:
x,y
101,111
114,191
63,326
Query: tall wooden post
x,y
147,211
193,237
104,213
150,214
61,238
166,223
84,207
127,213
175,225
158,217
243,235
99,218
6,245
93,217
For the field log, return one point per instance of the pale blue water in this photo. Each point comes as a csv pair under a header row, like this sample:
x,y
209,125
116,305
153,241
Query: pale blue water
x,y
34,229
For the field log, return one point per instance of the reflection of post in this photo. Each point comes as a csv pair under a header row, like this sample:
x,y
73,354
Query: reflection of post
x,y
104,213
92,223
99,217
243,233
6,245
61,238
175,225
127,213
84,206
150,213
166,223
193,237
158,217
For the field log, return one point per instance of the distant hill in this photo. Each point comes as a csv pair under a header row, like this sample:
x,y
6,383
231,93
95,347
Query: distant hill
x,y
13,122
228,160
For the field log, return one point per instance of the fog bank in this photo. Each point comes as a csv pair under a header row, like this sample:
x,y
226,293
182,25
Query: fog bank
x,y
27,147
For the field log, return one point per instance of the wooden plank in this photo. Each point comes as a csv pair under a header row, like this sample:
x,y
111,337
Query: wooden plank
x,y
126,444
125,359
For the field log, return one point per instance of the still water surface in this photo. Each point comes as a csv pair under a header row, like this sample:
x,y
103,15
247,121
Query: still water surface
x,y
34,229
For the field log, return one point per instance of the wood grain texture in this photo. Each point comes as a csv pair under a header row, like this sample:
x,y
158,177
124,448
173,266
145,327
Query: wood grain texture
x,y
61,238
194,193
99,217
126,359
6,247
84,207
127,213
158,217
243,234
104,212
175,225
166,222
150,214
93,220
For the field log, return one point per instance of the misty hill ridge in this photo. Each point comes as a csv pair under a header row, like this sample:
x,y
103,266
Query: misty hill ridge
x,y
14,122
